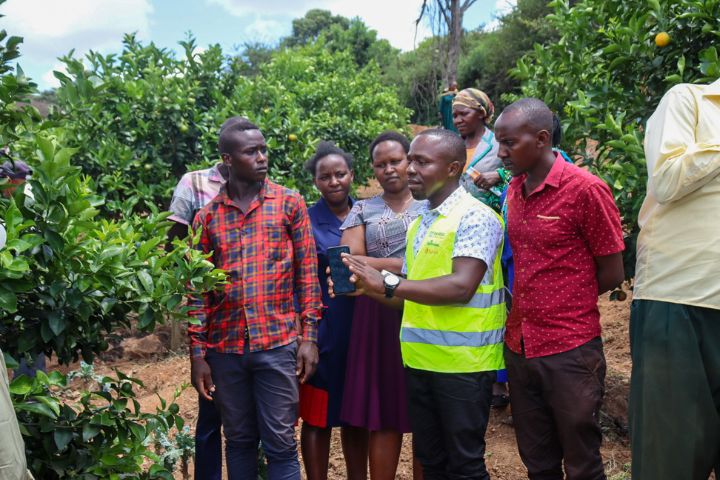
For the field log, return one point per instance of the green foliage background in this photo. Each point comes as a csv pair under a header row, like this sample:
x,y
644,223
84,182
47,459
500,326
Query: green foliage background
x,y
605,76
85,249
142,118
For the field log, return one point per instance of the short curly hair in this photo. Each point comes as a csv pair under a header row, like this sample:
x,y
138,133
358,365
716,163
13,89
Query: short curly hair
x,y
324,149
390,136
226,142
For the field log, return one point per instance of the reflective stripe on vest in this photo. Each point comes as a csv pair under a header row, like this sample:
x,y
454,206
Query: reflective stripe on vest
x,y
452,338
486,300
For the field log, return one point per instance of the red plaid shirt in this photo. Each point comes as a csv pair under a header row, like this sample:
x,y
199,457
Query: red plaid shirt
x,y
268,253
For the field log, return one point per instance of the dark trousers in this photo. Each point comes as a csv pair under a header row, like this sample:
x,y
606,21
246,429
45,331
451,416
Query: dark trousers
x,y
674,391
208,441
257,394
555,403
449,415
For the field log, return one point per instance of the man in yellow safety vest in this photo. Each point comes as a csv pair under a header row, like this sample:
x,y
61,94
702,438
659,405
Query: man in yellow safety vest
x,y
454,310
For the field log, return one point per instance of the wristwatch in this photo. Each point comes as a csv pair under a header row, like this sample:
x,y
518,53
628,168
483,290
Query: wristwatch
x,y
391,281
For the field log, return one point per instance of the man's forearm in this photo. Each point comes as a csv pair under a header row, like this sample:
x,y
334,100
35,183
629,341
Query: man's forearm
x,y
438,291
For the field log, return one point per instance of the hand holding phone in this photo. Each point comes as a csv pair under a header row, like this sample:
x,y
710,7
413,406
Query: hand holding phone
x,y
339,272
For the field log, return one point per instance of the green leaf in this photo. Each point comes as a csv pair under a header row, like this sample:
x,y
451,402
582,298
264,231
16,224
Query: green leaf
x,y
62,438
147,317
21,385
37,408
109,460
56,322
52,403
89,432
10,362
46,149
174,301
146,281
138,431
8,300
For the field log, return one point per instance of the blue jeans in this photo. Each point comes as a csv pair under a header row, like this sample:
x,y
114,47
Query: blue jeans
x,y
257,394
208,442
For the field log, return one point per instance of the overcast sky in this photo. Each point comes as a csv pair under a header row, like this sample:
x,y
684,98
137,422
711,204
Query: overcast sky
x,y
53,27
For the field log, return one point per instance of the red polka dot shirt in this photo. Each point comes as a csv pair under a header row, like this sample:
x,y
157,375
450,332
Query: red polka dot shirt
x,y
555,233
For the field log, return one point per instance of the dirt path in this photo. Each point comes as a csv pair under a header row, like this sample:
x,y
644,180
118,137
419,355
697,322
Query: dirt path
x,y
162,376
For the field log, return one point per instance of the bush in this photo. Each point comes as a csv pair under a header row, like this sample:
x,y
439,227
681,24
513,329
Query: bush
x,y
104,436
309,94
68,279
142,118
606,76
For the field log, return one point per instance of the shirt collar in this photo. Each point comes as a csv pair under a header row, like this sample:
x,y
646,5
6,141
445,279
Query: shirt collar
x,y
215,174
328,217
446,206
266,191
712,90
555,174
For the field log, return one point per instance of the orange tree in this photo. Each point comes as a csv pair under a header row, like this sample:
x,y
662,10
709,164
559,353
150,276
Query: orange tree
x,y
143,117
606,74
68,278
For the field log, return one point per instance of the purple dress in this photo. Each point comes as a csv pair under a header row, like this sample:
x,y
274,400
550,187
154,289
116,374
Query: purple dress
x,y
375,396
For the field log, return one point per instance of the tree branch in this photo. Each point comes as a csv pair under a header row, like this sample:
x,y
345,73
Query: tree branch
x,y
443,10
466,4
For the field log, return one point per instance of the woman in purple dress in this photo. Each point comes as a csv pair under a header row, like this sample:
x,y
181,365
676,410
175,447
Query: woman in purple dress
x,y
374,397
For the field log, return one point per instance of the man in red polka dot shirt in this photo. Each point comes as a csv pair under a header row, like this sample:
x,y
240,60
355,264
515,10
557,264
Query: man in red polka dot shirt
x,y
567,243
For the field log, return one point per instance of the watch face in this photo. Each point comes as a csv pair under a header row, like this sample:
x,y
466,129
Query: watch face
x,y
392,280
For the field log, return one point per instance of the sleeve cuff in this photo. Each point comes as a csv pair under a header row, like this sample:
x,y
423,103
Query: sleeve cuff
x,y
310,331
197,351
178,219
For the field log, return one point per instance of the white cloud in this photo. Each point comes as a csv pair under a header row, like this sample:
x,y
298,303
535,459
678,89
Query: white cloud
x,y
52,27
264,30
49,79
394,20
271,7
502,8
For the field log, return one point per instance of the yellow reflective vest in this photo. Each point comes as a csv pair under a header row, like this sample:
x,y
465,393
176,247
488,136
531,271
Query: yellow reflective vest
x,y
452,338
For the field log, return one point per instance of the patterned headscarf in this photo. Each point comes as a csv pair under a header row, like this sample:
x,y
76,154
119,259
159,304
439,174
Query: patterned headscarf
x,y
476,99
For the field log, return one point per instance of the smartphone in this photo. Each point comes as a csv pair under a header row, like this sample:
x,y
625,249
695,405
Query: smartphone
x,y
339,272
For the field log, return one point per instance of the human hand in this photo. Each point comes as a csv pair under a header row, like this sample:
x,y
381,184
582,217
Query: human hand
x,y
331,292
307,360
201,377
487,180
366,278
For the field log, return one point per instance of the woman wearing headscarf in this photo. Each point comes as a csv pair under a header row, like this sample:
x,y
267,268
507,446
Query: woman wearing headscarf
x,y
483,178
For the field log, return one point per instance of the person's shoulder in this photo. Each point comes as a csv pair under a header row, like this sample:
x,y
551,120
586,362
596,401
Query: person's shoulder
x,y
476,211
586,185
282,191
205,213
203,172
582,176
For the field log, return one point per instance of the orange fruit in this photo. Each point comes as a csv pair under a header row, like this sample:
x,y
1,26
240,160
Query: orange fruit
x,y
662,39
292,137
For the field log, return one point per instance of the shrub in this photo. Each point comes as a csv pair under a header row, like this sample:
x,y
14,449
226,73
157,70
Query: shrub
x,y
605,76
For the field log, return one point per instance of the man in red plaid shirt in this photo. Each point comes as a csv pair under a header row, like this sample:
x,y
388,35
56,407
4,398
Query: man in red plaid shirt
x,y
244,351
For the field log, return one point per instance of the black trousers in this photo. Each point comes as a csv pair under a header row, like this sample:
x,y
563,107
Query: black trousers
x,y
449,415
555,403
674,391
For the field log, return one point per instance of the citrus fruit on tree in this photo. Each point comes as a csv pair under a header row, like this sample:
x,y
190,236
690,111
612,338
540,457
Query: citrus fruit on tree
x,y
662,39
